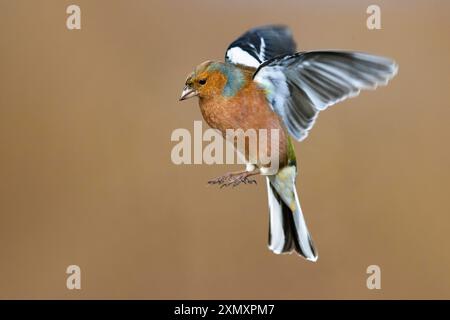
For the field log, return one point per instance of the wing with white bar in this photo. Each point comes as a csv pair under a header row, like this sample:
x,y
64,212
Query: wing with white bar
x,y
259,45
299,86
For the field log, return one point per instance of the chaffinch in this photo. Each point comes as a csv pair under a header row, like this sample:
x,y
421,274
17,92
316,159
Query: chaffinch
x,y
265,84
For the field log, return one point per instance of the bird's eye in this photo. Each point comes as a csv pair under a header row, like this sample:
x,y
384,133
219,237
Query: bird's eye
x,y
202,81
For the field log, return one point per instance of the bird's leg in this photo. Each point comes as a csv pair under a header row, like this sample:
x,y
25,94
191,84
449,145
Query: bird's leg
x,y
235,178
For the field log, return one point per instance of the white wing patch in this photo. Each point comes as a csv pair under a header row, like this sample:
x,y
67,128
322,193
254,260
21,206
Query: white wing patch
x,y
260,44
262,49
238,56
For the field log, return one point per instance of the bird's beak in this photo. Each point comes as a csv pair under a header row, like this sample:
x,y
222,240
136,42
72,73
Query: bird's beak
x,y
187,93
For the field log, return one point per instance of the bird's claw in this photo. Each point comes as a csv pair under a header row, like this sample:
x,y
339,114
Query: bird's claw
x,y
220,180
237,180
232,180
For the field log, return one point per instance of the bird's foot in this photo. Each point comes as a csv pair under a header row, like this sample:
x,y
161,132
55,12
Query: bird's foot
x,y
233,179
222,179
238,179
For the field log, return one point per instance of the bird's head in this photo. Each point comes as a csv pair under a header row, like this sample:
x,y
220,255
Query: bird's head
x,y
211,78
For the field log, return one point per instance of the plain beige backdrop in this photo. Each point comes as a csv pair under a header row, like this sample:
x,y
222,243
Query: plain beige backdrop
x,y
86,176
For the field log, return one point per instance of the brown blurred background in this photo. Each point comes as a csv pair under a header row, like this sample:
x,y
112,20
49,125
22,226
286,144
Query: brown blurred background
x,y
86,176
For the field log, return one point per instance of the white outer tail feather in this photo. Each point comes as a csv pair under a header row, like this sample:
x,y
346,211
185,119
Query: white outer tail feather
x,y
302,231
280,230
277,237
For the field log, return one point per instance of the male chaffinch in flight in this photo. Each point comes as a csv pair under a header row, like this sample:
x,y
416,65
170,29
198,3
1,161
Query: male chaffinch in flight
x,y
265,84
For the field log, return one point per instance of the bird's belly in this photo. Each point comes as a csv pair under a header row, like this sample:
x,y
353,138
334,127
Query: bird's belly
x,y
256,134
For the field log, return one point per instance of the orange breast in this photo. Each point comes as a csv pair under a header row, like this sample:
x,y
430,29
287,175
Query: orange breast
x,y
249,109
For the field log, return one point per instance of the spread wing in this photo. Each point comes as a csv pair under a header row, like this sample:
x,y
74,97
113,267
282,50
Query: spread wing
x,y
260,44
299,86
